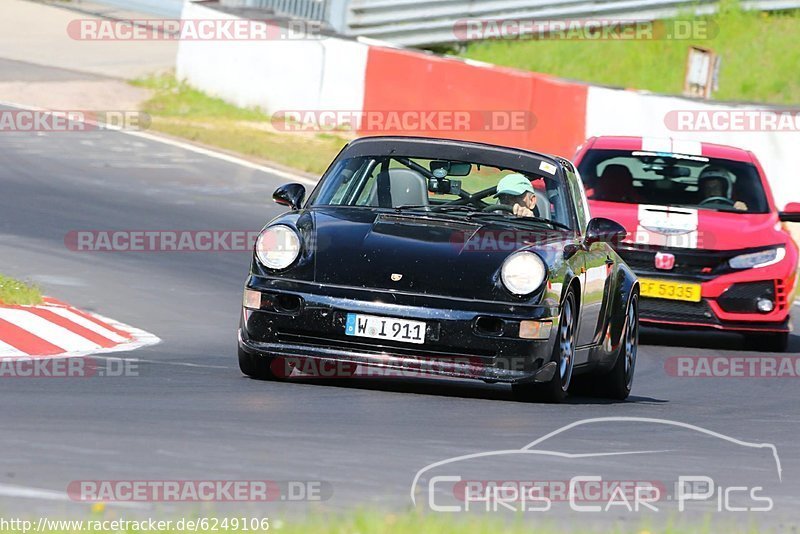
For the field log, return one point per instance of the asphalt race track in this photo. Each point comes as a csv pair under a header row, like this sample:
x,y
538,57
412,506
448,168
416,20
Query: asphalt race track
x,y
190,414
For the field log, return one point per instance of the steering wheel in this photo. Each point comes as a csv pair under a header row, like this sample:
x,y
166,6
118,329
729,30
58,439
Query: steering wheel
x,y
712,200
499,207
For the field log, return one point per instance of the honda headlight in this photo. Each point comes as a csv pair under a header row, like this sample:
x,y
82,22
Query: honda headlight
x,y
278,246
522,272
758,259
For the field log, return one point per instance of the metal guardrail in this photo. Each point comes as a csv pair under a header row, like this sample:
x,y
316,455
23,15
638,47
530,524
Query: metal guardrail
x,y
159,8
305,9
427,22
333,12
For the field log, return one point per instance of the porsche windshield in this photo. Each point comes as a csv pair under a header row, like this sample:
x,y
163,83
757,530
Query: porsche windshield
x,y
456,187
688,181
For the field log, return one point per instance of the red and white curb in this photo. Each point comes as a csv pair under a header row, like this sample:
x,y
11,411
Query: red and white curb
x,y
56,329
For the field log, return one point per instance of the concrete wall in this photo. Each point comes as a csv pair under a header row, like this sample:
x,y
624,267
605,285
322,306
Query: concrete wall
x,y
275,75
363,75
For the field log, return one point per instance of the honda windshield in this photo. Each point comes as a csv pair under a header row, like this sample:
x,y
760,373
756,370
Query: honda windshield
x,y
673,180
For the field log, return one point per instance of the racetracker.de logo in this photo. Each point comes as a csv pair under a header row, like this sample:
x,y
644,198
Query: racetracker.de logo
x,y
193,30
17,120
733,366
199,490
583,29
88,367
301,368
733,120
403,121
160,240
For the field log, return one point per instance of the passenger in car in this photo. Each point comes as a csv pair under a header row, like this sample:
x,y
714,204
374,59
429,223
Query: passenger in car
x,y
616,185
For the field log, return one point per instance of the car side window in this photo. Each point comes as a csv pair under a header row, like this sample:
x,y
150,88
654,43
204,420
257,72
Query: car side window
x,y
579,201
368,188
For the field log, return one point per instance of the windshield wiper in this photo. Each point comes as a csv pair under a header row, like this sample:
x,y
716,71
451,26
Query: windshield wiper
x,y
554,224
454,207
410,207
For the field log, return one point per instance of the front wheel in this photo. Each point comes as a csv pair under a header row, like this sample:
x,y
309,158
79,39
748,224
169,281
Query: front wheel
x,y
555,390
617,383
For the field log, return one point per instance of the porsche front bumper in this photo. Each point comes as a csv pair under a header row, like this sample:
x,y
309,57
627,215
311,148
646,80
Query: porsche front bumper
x,y
295,322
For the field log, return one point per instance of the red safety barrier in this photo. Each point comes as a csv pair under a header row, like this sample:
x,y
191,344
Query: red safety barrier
x,y
503,106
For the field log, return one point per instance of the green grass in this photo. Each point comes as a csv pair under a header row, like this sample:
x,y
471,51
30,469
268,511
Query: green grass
x,y
176,99
14,292
179,110
759,51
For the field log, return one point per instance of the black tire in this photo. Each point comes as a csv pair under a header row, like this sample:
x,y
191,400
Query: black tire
x,y
767,342
257,367
556,389
617,383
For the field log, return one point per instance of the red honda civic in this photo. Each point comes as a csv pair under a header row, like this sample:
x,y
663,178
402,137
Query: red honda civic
x,y
704,234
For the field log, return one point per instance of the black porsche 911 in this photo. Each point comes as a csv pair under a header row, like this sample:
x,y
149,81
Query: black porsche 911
x,y
446,257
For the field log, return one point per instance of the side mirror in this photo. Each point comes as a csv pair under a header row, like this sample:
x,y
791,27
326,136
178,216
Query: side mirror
x,y
290,195
604,230
791,213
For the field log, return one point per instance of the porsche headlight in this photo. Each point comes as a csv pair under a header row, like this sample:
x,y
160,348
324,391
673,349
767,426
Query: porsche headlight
x,y
758,259
277,246
523,272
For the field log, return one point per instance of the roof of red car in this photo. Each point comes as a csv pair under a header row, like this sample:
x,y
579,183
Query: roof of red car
x,y
668,144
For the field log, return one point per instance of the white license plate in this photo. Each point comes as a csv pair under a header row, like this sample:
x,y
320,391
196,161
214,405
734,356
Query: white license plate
x,y
385,328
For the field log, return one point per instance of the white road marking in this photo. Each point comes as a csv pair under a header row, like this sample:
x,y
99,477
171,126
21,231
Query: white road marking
x,y
166,362
86,323
224,157
24,492
50,332
192,148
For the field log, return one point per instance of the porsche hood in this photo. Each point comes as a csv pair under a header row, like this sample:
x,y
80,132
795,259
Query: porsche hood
x,y
420,253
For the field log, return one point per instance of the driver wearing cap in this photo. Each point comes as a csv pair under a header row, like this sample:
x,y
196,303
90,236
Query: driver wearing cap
x,y
516,191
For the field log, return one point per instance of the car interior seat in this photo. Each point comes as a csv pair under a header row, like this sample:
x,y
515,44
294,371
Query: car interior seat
x,y
615,185
399,187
